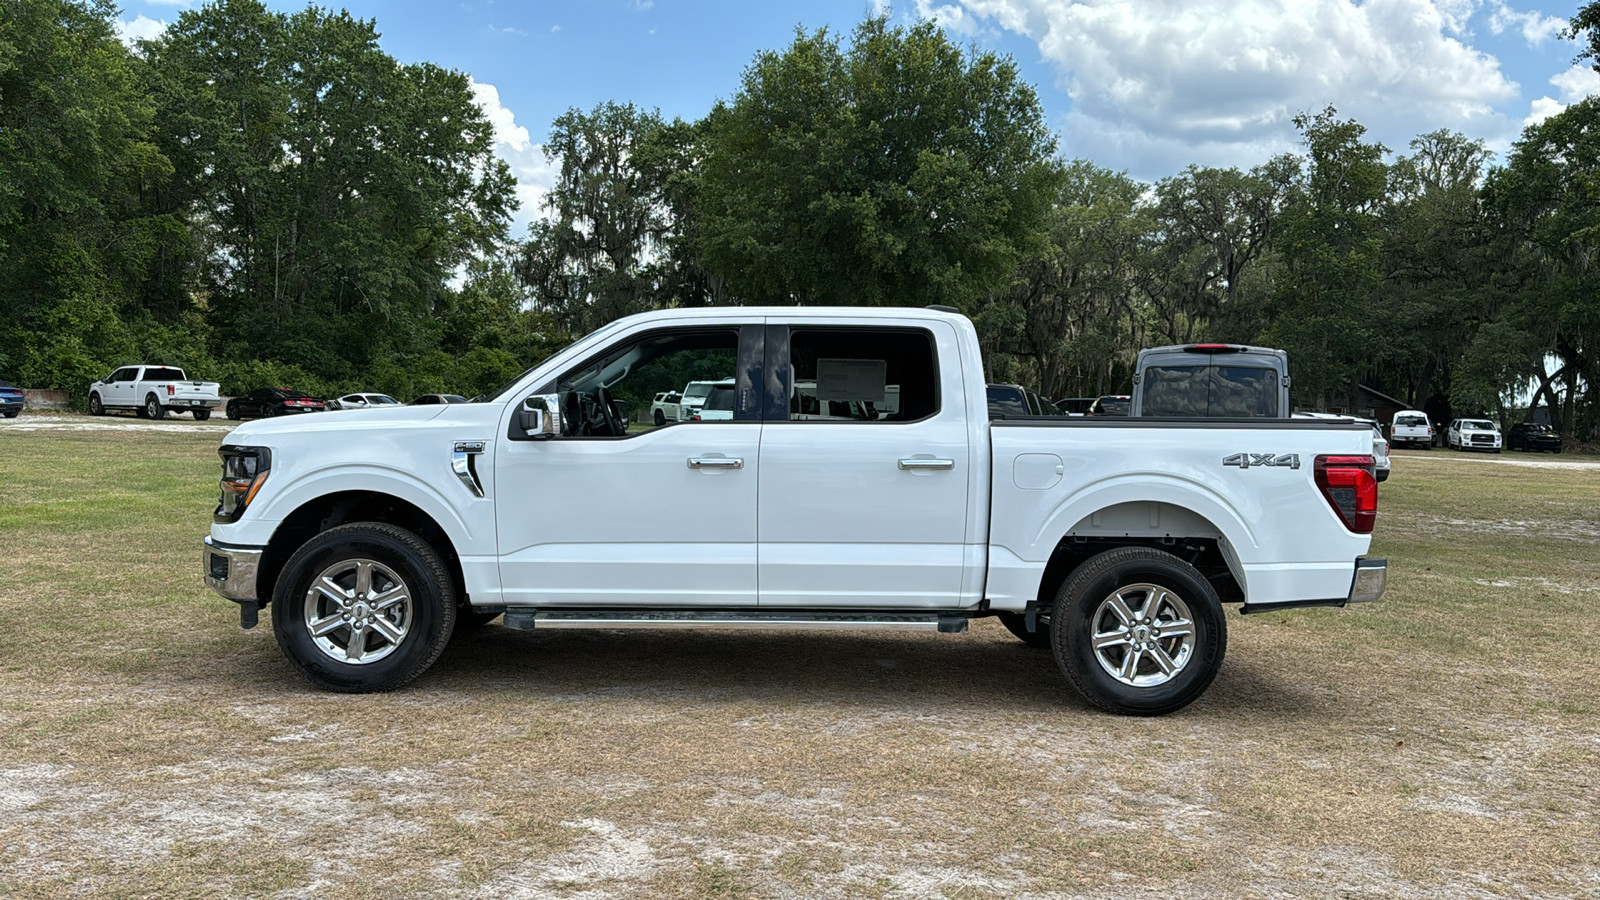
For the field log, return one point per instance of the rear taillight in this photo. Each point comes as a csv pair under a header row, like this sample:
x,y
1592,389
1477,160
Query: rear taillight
x,y
171,389
1350,485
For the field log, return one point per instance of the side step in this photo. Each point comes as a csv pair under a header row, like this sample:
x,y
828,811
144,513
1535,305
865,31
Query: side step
x,y
528,618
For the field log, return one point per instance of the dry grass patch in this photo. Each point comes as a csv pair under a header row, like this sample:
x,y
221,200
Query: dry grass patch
x,y
1439,744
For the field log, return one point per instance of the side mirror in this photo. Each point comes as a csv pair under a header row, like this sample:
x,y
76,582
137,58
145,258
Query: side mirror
x,y
539,417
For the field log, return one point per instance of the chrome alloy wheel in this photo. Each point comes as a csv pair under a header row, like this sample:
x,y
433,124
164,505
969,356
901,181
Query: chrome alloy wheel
x,y
357,611
1143,635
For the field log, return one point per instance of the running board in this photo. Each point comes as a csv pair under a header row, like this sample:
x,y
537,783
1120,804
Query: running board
x,y
529,618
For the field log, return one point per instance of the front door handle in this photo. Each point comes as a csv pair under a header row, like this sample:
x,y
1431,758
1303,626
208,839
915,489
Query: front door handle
x,y
715,462
927,464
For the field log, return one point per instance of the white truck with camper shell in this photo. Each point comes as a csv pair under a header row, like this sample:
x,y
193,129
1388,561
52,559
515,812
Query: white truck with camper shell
x,y
1114,542
152,392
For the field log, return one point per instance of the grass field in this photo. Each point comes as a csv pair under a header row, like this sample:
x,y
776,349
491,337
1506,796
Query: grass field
x,y
1440,744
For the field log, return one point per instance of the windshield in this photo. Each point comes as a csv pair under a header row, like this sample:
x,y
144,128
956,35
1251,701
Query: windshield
x,y
1007,401
1114,406
1477,424
1234,391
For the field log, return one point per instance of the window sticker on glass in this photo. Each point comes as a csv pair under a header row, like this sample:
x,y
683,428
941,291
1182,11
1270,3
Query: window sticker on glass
x,y
851,379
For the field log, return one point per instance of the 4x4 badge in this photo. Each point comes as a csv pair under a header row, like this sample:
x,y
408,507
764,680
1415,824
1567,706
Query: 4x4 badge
x,y
1248,460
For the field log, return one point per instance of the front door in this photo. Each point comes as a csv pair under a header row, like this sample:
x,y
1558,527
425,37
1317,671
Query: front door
x,y
864,476
618,511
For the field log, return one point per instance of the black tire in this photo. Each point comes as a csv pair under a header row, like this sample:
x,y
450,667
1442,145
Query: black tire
x,y
13,414
96,408
200,415
660,417
1085,602
269,412
153,408
1017,624
232,410
429,617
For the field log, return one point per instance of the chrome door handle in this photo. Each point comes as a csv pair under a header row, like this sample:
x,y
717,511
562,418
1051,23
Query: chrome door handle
x,y
927,464
715,462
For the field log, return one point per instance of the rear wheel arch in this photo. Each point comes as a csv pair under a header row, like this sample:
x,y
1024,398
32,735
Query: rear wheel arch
x,y
333,510
1194,538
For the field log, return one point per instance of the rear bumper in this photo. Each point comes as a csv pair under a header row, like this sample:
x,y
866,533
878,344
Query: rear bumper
x,y
1367,584
231,571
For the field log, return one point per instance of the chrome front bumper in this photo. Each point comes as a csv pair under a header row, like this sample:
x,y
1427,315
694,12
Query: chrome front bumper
x,y
1372,576
231,571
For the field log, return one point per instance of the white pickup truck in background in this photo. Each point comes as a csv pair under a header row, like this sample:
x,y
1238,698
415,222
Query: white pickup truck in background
x,y
1114,542
153,391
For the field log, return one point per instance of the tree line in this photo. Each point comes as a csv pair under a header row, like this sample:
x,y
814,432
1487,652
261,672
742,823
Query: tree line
x,y
268,198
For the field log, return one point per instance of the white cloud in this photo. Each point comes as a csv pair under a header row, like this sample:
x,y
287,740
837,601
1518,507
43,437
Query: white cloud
x,y
1536,27
1574,84
1157,84
534,173
139,28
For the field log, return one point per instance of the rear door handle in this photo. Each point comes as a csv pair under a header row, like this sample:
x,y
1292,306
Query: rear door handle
x,y
715,462
927,464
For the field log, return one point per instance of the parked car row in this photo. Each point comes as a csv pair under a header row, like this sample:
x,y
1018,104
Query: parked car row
x,y
265,403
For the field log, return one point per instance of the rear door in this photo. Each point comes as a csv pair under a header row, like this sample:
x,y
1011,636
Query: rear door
x,y
857,511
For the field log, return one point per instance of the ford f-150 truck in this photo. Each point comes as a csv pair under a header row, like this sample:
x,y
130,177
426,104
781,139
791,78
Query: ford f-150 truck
x,y
153,391
1114,542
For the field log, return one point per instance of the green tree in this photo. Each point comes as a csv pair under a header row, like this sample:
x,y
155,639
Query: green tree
x,y
1545,206
595,259
1323,309
334,192
1069,323
75,157
899,170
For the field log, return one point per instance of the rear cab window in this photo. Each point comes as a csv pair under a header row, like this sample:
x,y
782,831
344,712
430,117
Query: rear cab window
x,y
1211,381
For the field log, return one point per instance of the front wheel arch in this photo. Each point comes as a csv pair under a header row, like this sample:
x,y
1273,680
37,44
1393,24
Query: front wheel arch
x,y
332,510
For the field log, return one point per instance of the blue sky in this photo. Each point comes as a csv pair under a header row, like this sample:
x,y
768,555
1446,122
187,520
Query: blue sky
x,y
1145,86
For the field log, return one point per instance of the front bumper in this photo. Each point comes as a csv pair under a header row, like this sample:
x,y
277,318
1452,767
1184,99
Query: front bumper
x,y
231,571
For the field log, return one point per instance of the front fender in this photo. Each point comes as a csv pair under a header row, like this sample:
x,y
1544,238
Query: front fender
x,y
376,478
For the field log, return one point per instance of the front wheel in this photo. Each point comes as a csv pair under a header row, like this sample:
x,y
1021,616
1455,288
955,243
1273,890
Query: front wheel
x,y
1138,631
364,607
153,408
95,406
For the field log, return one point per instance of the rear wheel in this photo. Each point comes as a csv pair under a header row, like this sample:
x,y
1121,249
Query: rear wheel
x,y
232,410
153,408
200,415
660,417
1138,631
364,607
1017,624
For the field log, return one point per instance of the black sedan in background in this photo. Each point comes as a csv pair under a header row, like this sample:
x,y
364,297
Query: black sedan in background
x,y
1533,437
10,400
269,402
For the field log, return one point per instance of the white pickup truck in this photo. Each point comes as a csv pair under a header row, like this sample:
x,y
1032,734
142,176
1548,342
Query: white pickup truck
x,y
152,392
1114,542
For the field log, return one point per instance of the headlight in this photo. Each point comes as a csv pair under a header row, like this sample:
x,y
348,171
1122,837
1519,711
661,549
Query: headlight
x,y
244,471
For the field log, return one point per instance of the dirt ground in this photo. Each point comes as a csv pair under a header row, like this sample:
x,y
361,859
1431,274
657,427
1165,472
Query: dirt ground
x,y
1439,744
